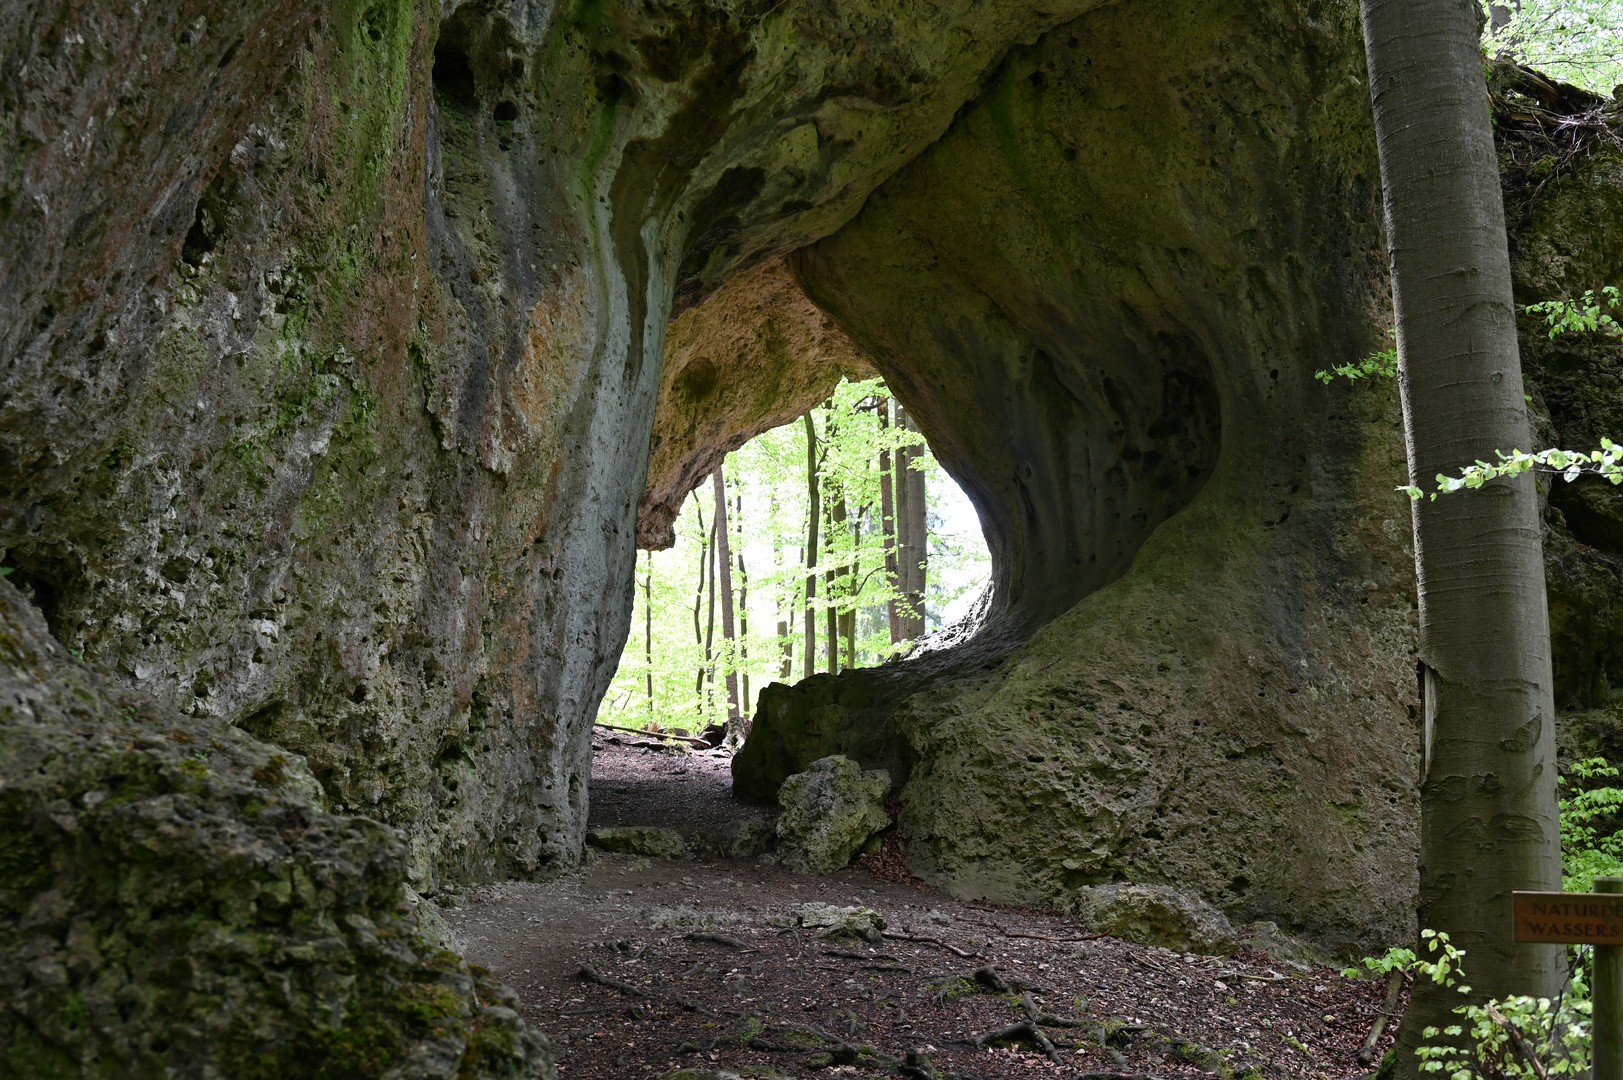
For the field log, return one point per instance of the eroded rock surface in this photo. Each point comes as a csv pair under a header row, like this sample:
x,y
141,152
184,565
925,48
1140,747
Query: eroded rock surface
x,y
1156,915
828,813
174,901
752,357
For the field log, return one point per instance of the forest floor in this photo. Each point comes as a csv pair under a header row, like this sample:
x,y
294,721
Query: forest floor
x,y
702,964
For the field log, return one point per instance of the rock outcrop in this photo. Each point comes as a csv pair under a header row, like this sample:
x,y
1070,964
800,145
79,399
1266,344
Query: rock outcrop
x,y
174,901
1156,915
645,840
828,813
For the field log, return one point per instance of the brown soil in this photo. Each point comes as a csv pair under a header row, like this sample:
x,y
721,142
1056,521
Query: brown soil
x,y
790,1003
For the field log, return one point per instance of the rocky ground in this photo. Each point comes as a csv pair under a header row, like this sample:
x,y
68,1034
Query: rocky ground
x,y
638,968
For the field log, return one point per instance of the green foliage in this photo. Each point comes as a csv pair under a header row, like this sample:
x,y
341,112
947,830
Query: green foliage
x,y
1396,959
1570,464
1383,363
1584,315
1580,41
1591,842
1515,1037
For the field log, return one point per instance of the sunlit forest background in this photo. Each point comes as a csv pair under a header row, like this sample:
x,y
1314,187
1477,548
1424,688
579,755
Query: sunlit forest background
x,y
737,603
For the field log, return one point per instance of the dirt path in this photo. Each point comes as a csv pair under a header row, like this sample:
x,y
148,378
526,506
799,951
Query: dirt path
x,y
704,964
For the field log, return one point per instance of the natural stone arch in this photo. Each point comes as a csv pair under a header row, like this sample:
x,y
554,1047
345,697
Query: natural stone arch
x,y
1104,293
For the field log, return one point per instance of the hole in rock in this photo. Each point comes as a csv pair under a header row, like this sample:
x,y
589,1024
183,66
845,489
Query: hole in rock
x,y
453,78
897,554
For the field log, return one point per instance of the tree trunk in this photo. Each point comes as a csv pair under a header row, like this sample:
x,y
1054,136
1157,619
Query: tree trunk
x,y
836,570
912,528
1488,798
814,502
724,561
853,571
887,526
743,619
648,626
708,703
698,604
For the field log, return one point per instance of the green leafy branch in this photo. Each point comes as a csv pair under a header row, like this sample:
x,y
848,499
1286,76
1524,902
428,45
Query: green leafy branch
x,y
1383,363
1607,462
1584,315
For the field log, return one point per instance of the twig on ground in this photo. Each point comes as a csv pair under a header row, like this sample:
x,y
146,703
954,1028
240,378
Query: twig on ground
x,y
1045,937
1275,977
1037,1016
955,950
717,939
652,734
592,975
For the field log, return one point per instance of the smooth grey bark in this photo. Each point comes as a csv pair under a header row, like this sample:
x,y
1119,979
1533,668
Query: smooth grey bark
x,y
812,512
724,560
913,532
887,522
1488,801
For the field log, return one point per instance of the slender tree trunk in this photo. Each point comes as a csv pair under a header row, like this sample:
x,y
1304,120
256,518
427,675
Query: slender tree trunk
x,y
853,570
724,560
698,604
745,707
912,530
648,625
1488,800
708,704
836,517
813,505
887,526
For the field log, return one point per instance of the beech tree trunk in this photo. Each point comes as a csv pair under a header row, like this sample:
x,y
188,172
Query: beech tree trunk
x,y
813,503
887,528
912,529
724,562
648,625
1488,799
743,618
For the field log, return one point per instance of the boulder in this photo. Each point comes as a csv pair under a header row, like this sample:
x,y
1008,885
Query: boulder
x,y
646,840
832,921
175,902
1267,938
828,813
1156,915
745,838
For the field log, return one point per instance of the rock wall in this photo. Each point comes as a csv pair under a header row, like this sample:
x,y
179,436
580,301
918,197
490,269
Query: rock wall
x,y
754,356
176,902
333,339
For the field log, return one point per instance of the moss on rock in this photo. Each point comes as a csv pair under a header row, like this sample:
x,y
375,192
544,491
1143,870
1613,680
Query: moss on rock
x,y
175,902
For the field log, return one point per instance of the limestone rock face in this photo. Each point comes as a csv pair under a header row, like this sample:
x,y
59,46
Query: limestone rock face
x,y
754,356
175,901
331,338
645,840
1156,915
828,813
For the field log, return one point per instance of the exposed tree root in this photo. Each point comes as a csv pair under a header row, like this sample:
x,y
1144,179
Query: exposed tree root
x,y
591,975
1026,1031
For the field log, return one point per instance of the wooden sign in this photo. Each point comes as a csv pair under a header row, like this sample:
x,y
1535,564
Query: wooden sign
x,y
1569,918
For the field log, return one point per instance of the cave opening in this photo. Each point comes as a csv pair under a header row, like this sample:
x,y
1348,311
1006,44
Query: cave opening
x,y
898,564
